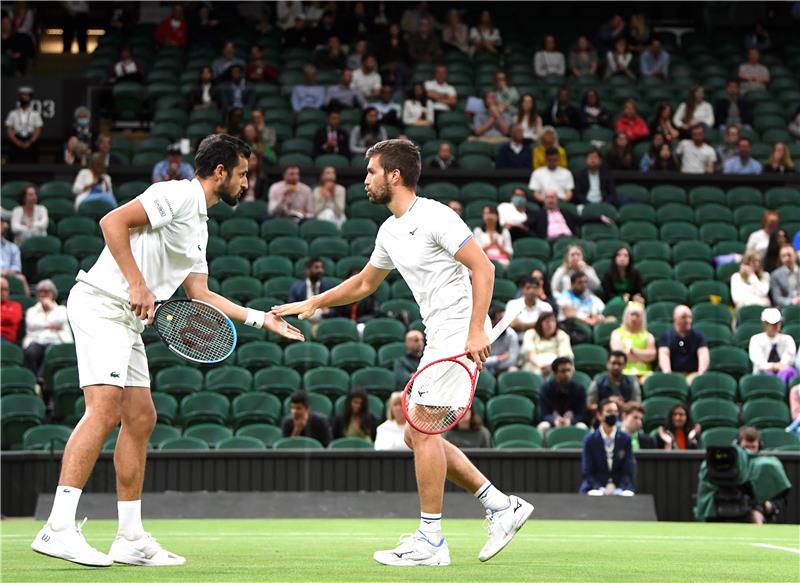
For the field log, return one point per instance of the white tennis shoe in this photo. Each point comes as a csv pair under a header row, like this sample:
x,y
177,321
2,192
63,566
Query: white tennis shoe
x,y
503,525
69,544
144,551
415,550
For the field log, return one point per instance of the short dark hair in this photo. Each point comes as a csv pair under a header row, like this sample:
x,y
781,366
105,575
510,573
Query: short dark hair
x,y
603,403
551,151
595,151
747,433
744,139
617,354
401,155
219,149
312,260
576,276
300,398
559,361
530,280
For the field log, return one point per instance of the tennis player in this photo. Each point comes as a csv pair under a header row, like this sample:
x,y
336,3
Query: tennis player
x,y
434,251
153,244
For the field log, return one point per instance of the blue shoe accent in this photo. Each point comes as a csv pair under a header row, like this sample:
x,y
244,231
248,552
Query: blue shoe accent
x,y
427,540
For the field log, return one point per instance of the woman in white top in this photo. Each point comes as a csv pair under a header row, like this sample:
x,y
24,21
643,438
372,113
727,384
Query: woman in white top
x,y
495,243
695,110
91,180
573,261
45,324
391,433
529,118
455,33
418,109
770,351
29,219
758,241
485,37
618,61
750,286
330,198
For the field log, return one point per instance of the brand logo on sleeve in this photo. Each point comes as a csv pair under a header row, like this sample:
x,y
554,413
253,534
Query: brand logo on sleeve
x,y
160,208
414,231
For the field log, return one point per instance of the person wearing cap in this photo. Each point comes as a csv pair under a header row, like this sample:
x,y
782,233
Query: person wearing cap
x,y
172,167
46,324
23,129
770,351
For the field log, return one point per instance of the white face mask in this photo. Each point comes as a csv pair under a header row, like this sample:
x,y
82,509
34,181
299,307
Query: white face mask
x,y
175,24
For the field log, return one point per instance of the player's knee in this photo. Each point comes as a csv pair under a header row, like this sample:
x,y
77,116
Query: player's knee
x,y
142,420
407,438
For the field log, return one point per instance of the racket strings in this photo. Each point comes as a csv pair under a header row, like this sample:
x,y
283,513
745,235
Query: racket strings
x,y
438,396
194,330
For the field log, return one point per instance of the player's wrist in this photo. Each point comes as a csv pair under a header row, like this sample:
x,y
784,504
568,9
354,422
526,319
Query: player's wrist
x,y
255,318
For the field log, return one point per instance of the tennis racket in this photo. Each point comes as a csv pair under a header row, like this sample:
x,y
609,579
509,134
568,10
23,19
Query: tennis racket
x,y
441,392
195,330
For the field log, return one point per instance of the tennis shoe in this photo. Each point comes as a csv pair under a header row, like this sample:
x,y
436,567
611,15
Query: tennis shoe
x,y
69,544
503,525
144,551
415,550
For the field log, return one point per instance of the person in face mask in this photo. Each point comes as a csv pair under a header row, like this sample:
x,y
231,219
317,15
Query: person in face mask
x,y
514,215
23,129
607,460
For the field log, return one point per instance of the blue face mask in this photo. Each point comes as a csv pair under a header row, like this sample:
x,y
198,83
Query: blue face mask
x,y
518,201
610,420
83,121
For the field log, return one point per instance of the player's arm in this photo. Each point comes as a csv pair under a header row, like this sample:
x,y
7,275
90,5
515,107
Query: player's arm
x,y
348,292
473,257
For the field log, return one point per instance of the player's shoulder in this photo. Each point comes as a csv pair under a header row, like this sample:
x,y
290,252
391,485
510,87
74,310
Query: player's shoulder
x,y
432,209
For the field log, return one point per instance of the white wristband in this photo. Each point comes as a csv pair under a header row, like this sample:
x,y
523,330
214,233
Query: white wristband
x,y
255,318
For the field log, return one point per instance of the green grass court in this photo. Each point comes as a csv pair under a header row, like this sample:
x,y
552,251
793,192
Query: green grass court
x,y
332,550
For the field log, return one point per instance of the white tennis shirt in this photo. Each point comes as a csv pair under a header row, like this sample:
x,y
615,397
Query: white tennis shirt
x,y
422,244
168,249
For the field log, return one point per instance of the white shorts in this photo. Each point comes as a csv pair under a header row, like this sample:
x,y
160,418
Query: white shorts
x,y
108,339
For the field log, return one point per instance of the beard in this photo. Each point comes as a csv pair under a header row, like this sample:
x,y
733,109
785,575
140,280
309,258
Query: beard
x,y
383,195
225,195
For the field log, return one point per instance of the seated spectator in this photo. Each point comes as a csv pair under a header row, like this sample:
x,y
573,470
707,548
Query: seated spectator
x,y
607,462
771,258
632,417
331,56
23,129
302,421
579,303
360,312
10,312
407,365
639,33
393,55
172,167
758,241
750,285
491,125
544,343
290,198
266,135
455,34
390,435
561,113
549,61
620,154
456,206
551,222
654,62
173,30
533,305
492,238
204,28
331,138
507,96
10,258
678,431
696,156
204,95
76,152
485,37
104,147
529,119
235,93
694,111
753,75
730,145
552,177
545,294
633,339
574,262
743,163
439,91
758,38
785,280
516,153
368,133
258,70
29,218
287,13
732,110
93,183
46,324
469,432
514,214
418,109
583,58
665,160
330,198
19,47
594,184
355,420
610,31
412,18
423,45
299,35
257,185
308,95
662,123
343,95
313,285
618,60
444,158
562,401
631,123
225,61
780,160
771,352
366,79
622,282
614,384
389,111
794,125
127,68
548,139
682,349
504,355
592,114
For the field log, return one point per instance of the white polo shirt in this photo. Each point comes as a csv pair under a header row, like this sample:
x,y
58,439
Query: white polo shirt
x,y
421,245
695,160
365,83
24,122
443,88
167,250
544,179
529,314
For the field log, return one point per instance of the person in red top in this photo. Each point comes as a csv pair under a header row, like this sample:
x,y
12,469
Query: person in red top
x,y
10,313
678,431
173,30
631,123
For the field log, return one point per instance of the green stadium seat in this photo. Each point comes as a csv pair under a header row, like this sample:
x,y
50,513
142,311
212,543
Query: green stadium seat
x,y
518,434
242,288
380,331
204,407
17,379
690,271
713,385
406,310
774,438
353,228
161,433
390,352
375,380
713,233
561,436
259,354
485,388
313,228
270,266
250,248
280,381
705,195
20,412
238,227
725,271
705,290
58,356
347,264
522,267
216,247
179,380
292,247
507,409
229,266
181,443
297,146
95,209
532,247
653,270
275,228
713,213
657,409
350,443
252,408
266,434
229,380
675,232
82,246
278,286
10,354
36,247
749,314
718,436
166,408
241,442
692,251
744,331
57,209
71,226
46,437
298,442
731,360
763,413
351,356
327,380
674,212
661,384
743,195
333,247
651,250
305,356
761,386
478,191
301,325
521,383
636,231
666,291
779,196
667,193
716,334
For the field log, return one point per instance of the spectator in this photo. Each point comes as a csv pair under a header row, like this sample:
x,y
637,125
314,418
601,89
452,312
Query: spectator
x,y
758,241
332,55
359,312
544,342
695,110
574,262
594,184
418,109
172,167
777,240
622,282
411,20
743,164
469,432
258,70
368,133
516,153
127,68
785,280
302,421
444,158
407,365
10,259
29,218
561,112
455,34
612,30
389,111
620,154
23,129
583,58
548,139
545,293
355,420
45,325
514,214
393,54
678,431
367,80
632,416
615,384
631,123
750,285
794,125
360,23
204,95
10,312
390,435
639,33
592,114
649,158
456,206
682,349
203,28
313,285
504,355
173,30
343,95
654,62
753,75
697,157
423,46
780,160
309,95
665,160
266,135
235,122
662,123
104,147
290,198
618,61
494,240
257,185
549,61
439,91
491,125
507,96
607,462
330,198
552,177
758,38
299,35
771,352
331,138
633,339
562,401
533,305
17,46
485,37
235,93
76,152
731,110
529,119
580,303
551,222
287,12
730,145
93,183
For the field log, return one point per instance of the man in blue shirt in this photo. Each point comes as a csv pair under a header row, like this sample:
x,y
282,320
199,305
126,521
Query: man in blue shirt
x,y
654,62
10,262
308,95
743,164
172,167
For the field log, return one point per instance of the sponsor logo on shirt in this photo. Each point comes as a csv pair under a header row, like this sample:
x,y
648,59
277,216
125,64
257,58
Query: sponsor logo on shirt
x,y
160,208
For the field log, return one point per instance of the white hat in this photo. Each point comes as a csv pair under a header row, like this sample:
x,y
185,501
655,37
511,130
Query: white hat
x,y
771,316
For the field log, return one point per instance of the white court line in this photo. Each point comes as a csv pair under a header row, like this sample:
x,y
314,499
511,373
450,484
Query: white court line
x,y
787,549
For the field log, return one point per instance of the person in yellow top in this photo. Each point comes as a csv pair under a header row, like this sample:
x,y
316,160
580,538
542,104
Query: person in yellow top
x,y
635,341
549,138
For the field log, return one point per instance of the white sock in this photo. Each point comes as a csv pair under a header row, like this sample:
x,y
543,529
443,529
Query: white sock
x,y
65,506
130,519
431,526
491,498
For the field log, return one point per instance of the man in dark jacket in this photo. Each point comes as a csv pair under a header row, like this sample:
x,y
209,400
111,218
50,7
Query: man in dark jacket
x,y
731,110
514,154
561,112
406,366
562,401
607,461
330,138
312,285
594,183
302,421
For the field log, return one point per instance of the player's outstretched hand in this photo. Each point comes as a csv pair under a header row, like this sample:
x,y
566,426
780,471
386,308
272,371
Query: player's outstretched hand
x,y
276,324
142,303
303,310
478,348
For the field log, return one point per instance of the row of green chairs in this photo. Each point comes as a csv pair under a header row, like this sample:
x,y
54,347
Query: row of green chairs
x,y
716,412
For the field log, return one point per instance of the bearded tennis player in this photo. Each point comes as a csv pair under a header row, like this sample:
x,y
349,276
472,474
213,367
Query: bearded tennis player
x,y
434,251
